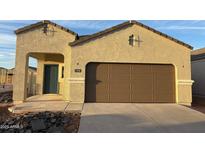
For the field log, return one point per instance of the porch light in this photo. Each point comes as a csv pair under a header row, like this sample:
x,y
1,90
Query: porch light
x,y
132,40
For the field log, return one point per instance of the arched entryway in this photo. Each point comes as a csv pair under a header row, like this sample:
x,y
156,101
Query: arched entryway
x,y
49,75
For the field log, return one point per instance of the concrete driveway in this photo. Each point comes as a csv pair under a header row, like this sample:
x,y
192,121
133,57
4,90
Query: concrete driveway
x,y
142,118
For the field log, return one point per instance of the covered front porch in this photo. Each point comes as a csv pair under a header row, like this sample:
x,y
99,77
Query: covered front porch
x,y
48,78
48,91
50,74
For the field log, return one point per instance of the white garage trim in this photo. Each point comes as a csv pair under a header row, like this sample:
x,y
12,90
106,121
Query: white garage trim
x,y
185,82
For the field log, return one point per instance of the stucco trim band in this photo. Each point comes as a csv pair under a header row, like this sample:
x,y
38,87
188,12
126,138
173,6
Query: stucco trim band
x,y
76,80
185,82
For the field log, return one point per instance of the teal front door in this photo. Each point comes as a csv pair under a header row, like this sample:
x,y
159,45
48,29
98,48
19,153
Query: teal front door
x,y
50,79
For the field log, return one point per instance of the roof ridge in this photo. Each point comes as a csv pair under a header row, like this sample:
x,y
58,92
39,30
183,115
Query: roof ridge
x,y
28,27
105,31
125,24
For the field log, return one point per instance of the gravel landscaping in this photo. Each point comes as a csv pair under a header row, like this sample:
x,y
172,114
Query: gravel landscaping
x,y
38,122
41,122
6,97
4,113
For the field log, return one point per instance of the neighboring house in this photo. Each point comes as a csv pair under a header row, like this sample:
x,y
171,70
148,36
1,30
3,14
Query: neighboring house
x,y
6,79
198,73
6,76
10,73
3,75
127,63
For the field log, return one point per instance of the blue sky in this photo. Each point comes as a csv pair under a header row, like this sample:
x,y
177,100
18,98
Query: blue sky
x,y
188,31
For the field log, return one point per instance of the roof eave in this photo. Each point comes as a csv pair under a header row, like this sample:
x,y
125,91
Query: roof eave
x,y
26,28
126,24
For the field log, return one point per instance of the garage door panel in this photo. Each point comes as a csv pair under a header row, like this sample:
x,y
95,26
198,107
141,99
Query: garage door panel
x,y
90,94
164,98
97,93
141,69
142,86
141,83
142,92
96,83
119,72
164,83
119,92
102,93
91,70
130,83
102,72
141,96
119,87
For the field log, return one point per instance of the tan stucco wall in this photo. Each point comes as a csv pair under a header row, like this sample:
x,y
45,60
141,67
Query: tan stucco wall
x,y
35,41
115,48
198,75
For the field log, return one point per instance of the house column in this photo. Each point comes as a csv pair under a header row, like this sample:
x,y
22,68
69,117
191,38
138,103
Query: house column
x,y
20,77
39,77
185,92
77,82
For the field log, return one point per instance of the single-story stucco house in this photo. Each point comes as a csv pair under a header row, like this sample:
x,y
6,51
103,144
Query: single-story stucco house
x,y
198,73
3,75
127,63
6,76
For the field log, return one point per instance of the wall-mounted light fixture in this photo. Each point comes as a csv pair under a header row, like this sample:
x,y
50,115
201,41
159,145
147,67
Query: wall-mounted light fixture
x,y
132,40
48,30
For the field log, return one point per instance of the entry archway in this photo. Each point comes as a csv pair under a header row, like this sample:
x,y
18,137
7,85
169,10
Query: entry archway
x,y
49,73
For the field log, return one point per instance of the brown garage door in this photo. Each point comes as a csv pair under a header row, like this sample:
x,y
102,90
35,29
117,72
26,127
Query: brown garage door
x,y
110,83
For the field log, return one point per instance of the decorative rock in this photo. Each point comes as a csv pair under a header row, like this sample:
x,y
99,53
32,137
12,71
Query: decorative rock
x,y
69,128
28,131
21,131
25,124
10,131
38,125
53,120
11,122
66,120
55,129
52,115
